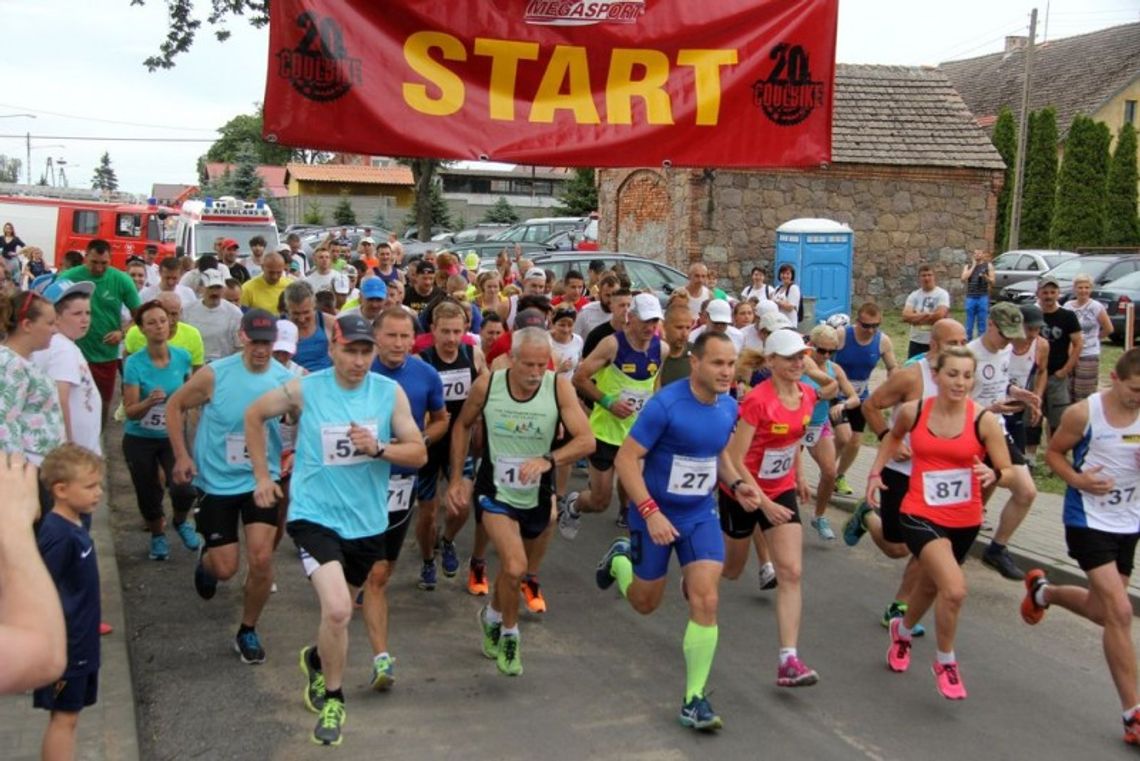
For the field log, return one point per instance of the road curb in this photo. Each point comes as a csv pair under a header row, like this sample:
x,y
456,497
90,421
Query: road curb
x,y
1026,559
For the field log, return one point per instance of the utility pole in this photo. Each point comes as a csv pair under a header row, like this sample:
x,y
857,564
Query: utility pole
x,y
1022,129
29,164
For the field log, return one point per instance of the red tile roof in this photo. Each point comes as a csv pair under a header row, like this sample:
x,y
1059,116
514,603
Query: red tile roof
x,y
273,177
369,175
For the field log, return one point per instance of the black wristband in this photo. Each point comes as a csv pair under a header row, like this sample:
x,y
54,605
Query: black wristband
x,y
735,485
549,457
379,452
883,435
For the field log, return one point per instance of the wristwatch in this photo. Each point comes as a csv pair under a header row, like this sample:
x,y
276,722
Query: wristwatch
x,y
549,458
379,452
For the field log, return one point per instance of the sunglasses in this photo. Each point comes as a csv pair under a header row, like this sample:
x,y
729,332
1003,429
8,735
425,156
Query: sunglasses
x,y
824,352
869,325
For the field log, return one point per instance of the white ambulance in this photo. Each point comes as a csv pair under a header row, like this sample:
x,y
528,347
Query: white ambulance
x,y
201,223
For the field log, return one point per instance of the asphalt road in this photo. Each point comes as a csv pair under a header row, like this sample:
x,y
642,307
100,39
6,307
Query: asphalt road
x,y
602,681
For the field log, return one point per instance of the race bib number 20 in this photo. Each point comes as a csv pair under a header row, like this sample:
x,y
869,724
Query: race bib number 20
x,y
777,462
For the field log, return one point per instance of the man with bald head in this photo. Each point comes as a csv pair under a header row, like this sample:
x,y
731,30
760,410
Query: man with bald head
x,y
182,334
697,288
914,381
264,291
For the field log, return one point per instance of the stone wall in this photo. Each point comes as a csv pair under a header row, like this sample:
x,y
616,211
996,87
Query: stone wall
x,y
902,217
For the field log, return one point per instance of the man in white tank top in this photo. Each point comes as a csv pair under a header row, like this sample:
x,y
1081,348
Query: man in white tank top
x,y
993,390
1102,523
914,381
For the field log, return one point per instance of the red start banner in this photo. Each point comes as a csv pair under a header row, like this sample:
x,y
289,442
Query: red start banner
x,y
740,83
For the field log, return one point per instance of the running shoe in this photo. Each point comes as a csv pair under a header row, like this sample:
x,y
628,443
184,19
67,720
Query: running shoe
x,y
622,521
492,633
248,646
509,660
569,520
327,731
795,674
189,537
205,583
105,628
427,575
698,714
159,548
842,487
383,673
532,592
1031,612
949,680
854,529
1132,729
823,527
314,683
768,577
619,546
477,578
898,656
1002,562
448,559
897,610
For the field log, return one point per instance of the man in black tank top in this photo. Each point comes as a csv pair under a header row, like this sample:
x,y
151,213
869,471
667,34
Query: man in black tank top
x,y
675,366
458,365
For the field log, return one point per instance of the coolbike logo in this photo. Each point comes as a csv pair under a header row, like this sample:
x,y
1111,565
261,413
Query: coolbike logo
x,y
318,67
789,94
582,12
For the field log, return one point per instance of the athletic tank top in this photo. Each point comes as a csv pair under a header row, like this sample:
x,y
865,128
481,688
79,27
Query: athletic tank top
x,y
991,375
771,458
821,409
1118,450
334,485
675,368
631,375
457,377
943,488
859,361
313,352
1021,365
929,389
219,444
517,430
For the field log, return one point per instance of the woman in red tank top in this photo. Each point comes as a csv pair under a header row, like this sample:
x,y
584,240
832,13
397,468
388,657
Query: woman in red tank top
x,y
942,510
766,449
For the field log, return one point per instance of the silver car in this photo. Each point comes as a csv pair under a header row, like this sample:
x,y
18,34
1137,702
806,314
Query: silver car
x,y
1015,266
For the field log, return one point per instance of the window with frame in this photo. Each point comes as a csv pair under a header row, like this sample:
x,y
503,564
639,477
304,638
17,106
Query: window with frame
x,y
1129,112
85,222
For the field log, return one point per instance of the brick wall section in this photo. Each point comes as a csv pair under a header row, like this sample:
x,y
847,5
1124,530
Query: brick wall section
x,y
903,216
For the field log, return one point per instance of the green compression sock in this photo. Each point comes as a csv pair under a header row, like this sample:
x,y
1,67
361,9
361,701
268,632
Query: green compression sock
x,y
622,570
700,647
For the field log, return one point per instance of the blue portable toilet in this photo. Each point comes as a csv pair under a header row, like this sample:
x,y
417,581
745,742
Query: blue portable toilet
x,y
821,250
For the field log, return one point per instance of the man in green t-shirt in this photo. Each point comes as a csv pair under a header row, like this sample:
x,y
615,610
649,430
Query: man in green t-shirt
x,y
114,290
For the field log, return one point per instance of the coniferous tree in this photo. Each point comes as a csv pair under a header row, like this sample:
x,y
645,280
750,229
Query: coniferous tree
x,y
1078,219
1121,225
104,177
501,212
579,196
1039,197
1005,140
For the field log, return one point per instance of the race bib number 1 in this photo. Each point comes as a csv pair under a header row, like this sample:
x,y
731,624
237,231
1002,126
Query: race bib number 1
x,y
777,462
947,487
508,472
155,418
400,493
236,453
692,476
336,446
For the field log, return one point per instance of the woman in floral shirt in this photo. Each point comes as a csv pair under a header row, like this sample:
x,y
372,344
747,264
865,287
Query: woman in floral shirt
x,y
30,418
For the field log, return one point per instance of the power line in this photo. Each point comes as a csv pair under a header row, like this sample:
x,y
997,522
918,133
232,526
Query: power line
x,y
114,139
106,121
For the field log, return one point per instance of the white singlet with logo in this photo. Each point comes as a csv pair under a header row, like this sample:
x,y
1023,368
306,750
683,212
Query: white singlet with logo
x,y
1117,450
991,375
929,389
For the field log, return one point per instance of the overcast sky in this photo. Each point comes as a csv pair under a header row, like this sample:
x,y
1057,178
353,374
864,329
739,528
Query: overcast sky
x,y
77,65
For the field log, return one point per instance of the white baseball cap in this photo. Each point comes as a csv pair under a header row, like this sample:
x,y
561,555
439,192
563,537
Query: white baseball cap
x,y
646,307
286,337
773,321
341,285
719,311
212,279
785,343
766,307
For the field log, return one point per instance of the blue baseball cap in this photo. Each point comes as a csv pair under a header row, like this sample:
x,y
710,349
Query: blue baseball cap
x,y
373,288
58,289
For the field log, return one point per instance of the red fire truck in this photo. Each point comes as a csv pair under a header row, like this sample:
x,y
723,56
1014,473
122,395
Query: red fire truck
x,y
58,225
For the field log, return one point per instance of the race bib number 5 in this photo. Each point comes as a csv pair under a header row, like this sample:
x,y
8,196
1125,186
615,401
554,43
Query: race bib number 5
x,y
692,476
947,487
777,462
336,446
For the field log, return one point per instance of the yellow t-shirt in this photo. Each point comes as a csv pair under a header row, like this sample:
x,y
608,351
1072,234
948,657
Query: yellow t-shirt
x,y
259,294
187,338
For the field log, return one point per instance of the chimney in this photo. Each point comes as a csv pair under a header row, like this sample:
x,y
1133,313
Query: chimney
x,y
1016,42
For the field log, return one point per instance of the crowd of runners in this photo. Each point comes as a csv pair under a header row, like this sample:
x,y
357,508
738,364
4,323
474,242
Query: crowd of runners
x,y
349,398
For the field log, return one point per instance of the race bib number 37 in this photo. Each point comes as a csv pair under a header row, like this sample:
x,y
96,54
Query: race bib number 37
x,y
947,487
692,476
336,446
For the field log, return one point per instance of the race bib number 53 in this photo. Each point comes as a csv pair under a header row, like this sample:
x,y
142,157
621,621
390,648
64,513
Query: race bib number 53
x,y
155,418
336,446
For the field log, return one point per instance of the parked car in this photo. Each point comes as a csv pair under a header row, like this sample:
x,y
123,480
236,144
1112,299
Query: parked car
x,y
489,249
644,274
1116,296
413,232
1015,266
1103,268
540,228
310,239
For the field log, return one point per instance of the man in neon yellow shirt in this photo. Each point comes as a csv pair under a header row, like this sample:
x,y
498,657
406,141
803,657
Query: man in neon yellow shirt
x,y
182,335
264,291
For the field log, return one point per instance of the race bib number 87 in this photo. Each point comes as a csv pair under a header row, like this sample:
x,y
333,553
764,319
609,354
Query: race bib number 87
x,y
336,446
947,487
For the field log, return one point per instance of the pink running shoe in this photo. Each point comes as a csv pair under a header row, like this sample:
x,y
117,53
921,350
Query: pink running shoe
x,y
795,674
898,656
949,681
